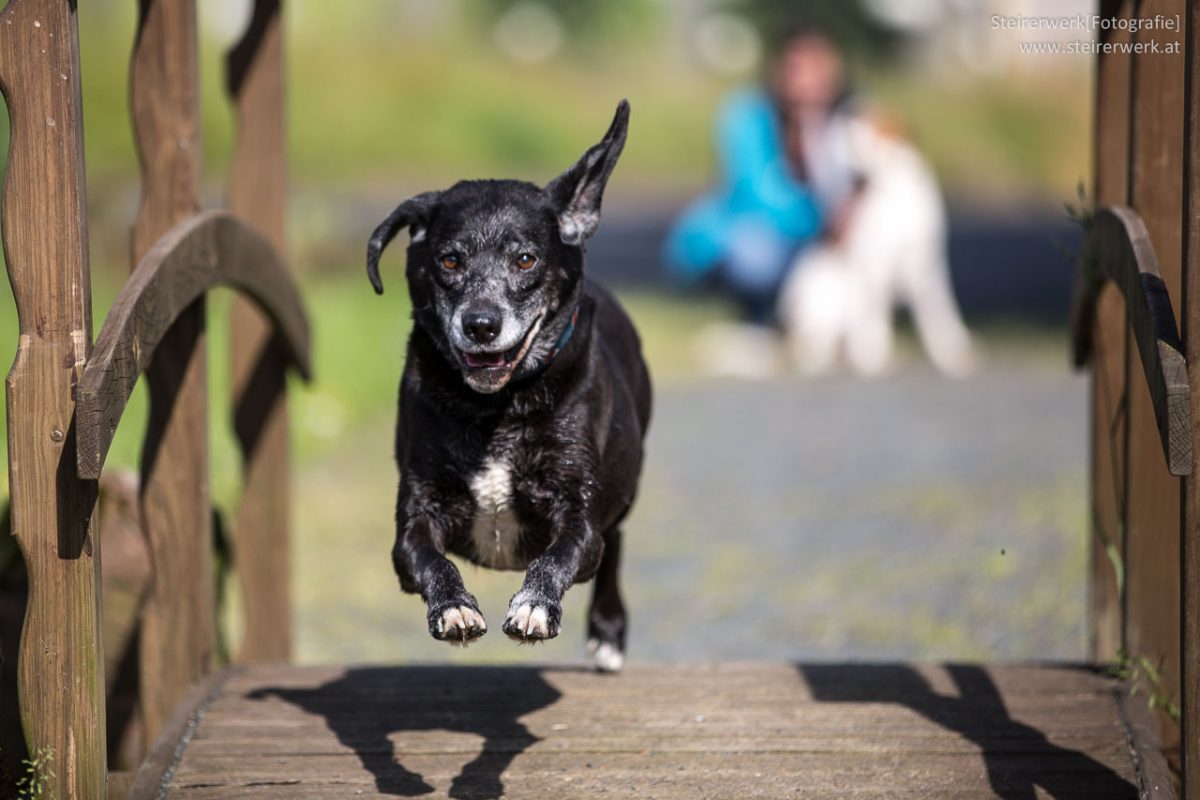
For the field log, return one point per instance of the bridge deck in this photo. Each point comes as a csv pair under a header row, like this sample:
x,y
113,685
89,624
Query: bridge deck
x,y
657,731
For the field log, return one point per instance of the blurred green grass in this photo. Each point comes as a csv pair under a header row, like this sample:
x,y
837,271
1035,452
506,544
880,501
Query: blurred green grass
x,y
374,99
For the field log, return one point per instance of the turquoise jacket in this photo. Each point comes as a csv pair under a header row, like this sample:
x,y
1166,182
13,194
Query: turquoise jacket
x,y
757,188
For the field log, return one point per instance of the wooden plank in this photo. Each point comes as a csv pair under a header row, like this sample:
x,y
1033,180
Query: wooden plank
x,y
1154,775
178,627
1154,496
61,669
694,730
1190,539
158,769
208,249
1107,384
655,774
257,186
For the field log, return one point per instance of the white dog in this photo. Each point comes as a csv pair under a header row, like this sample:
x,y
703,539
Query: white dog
x,y
840,297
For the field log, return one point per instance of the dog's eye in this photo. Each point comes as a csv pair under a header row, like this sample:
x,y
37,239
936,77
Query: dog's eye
x,y
526,260
449,261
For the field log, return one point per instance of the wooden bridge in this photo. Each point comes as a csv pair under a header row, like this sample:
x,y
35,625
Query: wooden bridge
x,y
259,728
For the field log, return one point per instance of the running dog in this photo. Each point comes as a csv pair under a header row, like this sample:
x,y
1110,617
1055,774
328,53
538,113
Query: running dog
x,y
524,402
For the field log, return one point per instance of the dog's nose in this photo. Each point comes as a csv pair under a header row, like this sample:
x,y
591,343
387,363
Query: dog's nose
x,y
481,326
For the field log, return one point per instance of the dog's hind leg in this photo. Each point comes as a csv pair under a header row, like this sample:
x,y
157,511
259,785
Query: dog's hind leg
x,y
607,621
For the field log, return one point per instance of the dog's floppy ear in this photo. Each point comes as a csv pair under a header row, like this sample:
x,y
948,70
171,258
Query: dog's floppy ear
x,y
412,212
576,194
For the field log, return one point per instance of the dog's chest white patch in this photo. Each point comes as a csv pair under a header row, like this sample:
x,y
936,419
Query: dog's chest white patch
x,y
495,530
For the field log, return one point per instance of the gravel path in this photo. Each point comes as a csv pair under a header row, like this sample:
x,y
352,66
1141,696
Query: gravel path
x,y
908,517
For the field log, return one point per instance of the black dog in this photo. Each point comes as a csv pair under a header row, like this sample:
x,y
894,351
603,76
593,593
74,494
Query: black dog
x,y
523,404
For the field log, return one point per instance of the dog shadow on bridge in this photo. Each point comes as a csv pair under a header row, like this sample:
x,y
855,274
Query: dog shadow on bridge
x,y
1018,757
364,707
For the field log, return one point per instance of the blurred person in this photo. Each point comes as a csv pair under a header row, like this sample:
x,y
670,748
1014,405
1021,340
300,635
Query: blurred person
x,y
745,234
884,234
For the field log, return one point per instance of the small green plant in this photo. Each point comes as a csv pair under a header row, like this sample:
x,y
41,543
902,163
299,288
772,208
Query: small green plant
x,y
39,771
1141,671
1081,213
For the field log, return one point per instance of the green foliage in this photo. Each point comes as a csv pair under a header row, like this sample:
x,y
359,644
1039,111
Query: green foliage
x,y
591,22
1141,672
39,771
991,137
374,97
1081,213
1118,564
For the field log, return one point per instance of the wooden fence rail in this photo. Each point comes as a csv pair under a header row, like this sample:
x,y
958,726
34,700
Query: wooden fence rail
x,y
65,400
1145,241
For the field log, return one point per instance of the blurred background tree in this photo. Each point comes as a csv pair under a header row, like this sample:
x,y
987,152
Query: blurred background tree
x,y
591,23
862,33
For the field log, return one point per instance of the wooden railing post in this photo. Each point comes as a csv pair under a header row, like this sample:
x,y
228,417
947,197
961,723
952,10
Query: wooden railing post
x,y
61,670
1108,354
1153,496
1190,538
177,633
256,194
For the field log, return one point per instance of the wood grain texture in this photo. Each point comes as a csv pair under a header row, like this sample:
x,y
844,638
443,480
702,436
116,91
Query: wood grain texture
x,y
1154,496
209,249
178,626
678,731
1155,780
257,189
157,771
61,670
1108,343
1122,252
1190,539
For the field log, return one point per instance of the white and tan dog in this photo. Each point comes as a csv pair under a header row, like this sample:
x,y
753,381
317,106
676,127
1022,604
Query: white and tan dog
x,y
840,296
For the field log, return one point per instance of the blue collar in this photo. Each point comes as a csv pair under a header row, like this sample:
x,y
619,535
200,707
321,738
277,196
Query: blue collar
x,y
564,337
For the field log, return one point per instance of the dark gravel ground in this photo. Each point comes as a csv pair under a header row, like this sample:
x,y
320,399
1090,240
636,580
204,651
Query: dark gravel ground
x,y
906,517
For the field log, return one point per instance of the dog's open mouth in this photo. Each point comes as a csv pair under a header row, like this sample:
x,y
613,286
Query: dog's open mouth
x,y
503,360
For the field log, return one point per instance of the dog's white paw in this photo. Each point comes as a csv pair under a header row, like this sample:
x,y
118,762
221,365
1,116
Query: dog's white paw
x,y
460,625
607,657
531,620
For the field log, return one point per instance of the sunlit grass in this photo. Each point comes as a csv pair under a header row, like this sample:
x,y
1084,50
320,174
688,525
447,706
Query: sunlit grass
x,y
372,100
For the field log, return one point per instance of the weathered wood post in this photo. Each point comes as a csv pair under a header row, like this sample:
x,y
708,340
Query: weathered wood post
x,y
1144,416
1109,332
61,670
177,633
257,183
257,187
1154,496
1190,538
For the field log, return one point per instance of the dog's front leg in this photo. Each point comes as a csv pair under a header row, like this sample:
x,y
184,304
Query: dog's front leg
x,y
535,612
421,564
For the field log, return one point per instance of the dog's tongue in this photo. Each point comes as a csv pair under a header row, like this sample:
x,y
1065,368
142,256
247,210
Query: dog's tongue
x,y
475,360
